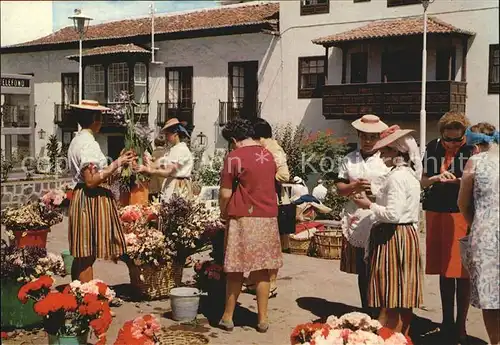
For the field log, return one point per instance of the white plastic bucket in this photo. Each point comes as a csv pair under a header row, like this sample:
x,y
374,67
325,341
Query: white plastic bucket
x,y
185,302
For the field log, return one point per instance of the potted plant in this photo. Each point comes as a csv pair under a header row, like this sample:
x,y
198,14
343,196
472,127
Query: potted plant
x,y
134,185
29,224
140,331
21,265
68,316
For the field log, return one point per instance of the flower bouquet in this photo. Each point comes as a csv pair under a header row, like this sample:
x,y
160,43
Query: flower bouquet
x,y
350,329
20,265
140,331
57,199
214,233
73,312
137,139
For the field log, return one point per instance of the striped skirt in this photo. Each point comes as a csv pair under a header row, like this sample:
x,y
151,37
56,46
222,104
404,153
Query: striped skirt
x,y
94,224
396,275
352,258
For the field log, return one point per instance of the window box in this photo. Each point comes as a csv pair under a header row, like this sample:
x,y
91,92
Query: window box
x,y
308,7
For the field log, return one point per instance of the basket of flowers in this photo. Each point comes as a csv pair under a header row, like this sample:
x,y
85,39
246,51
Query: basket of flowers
x,y
70,315
21,265
352,328
29,224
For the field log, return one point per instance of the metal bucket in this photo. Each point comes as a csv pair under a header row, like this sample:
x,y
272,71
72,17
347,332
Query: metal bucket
x,y
185,302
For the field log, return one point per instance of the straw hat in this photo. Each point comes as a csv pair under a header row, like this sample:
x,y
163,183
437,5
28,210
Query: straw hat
x,y
89,105
390,135
369,124
172,122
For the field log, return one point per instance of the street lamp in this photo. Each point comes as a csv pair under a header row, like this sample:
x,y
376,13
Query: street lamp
x,y
81,25
423,113
202,139
41,134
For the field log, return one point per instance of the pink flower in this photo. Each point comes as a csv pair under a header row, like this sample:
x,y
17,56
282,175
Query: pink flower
x,y
364,338
396,339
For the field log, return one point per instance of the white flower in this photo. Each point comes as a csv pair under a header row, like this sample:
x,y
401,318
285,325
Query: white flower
x,y
362,337
396,339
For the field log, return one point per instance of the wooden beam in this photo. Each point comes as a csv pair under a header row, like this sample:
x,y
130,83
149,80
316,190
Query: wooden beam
x,y
464,59
344,63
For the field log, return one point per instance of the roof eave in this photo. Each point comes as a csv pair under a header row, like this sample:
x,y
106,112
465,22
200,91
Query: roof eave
x,y
245,28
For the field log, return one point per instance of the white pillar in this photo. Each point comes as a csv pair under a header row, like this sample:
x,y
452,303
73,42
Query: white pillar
x,y
423,113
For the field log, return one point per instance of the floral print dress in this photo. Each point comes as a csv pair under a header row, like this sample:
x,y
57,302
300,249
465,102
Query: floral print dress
x,y
483,264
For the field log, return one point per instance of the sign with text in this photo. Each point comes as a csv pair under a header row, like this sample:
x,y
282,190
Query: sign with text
x,y
15,82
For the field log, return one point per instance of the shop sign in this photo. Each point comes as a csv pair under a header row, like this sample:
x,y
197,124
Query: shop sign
x,y
15,82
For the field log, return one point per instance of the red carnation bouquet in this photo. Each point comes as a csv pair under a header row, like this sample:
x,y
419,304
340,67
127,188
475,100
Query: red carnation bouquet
x,y
72,312
140,331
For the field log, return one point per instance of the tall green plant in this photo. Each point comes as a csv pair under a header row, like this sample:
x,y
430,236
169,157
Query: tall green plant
x,y
53,151
291,139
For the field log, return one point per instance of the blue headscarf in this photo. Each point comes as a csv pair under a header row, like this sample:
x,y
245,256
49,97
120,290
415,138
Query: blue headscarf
x,y
178,128
474,138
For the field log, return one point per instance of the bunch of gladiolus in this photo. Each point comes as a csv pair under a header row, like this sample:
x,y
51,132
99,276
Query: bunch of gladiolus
x,y
73,312
350,329
140,331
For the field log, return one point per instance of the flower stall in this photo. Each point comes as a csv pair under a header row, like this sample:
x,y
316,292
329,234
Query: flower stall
x,y
134,186
30,224
68,316
350,329
21,265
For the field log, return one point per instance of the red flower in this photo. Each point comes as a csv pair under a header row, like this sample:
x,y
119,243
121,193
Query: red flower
x,y
55,301
102,288
5,335
44,282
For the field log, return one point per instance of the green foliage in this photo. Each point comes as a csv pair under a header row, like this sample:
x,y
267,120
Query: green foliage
x,y
209,173
291,138
6,166
53,151
334,201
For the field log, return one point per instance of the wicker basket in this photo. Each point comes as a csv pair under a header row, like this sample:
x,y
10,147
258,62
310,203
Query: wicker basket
x,y
155,282
328,244
182,338
300,247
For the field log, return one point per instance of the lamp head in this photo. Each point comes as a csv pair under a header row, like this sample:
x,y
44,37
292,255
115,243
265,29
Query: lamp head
x,y
80,21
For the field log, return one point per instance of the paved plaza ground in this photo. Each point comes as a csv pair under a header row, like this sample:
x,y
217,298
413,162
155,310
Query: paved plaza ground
x,y
310,289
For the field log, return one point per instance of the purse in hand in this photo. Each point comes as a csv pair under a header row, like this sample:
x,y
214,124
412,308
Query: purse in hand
x,y
286,214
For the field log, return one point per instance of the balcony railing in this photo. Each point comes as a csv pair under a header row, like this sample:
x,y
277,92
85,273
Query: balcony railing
x,y
183,111
62,116
232,110
15,116
396,99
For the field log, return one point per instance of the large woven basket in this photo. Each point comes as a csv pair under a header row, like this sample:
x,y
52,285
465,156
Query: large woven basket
x,y
300,247
155,282
328,244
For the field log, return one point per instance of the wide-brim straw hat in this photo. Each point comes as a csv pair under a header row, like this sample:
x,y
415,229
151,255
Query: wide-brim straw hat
x,y
370,124
390,135
170,123
88,104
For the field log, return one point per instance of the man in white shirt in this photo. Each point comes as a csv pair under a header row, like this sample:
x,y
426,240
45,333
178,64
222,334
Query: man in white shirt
x,y
320,191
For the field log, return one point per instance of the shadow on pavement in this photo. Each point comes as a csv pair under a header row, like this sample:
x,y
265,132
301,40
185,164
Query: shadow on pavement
x,y
423,331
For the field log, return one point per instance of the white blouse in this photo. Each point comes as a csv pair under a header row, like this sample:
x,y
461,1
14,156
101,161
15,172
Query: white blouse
x,y
84,150
181,156
398,200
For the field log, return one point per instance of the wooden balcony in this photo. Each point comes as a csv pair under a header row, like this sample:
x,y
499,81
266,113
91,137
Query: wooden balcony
x,y
231,110
392,99
63,118
183,111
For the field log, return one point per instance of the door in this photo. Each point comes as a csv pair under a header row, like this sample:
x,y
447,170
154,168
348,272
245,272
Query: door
x,y
359,67
243,88
116,143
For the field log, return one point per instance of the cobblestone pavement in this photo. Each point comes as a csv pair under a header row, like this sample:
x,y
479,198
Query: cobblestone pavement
x,y
309,289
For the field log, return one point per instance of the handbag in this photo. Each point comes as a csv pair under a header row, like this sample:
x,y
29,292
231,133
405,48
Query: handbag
x,y
286,214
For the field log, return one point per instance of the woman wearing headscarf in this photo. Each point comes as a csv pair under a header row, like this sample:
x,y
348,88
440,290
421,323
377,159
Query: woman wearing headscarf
x,y
94,230
176,166
247,199
395,272
357,170
444,161
478,201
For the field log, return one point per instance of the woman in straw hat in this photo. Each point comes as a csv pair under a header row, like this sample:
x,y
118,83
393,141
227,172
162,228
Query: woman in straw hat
x,y
356,171
176,166
94,226
395,280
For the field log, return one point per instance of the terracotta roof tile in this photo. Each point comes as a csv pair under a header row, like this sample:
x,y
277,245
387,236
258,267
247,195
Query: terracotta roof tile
x,y
116,49
391,28
198,20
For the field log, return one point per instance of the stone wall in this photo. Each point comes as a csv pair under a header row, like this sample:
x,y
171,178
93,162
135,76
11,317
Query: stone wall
x,y
16,193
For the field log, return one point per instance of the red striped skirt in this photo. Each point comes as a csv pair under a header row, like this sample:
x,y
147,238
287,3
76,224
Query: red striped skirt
x,y
396,275
94,224
352,258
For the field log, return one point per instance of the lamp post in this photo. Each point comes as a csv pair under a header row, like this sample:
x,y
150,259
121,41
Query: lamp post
x,y
423,113
202,140
41,134
81,25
